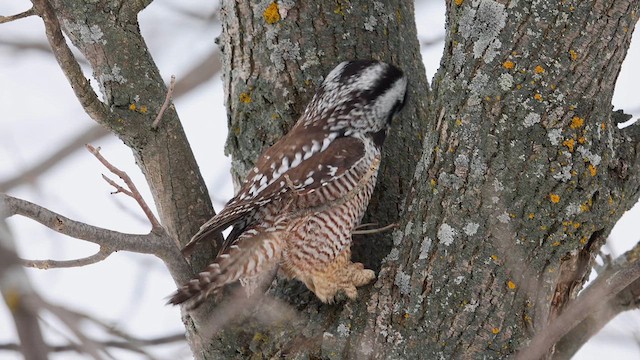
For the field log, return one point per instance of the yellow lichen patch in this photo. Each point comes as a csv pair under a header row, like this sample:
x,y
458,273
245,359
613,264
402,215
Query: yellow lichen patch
x,y
495,330
531,216
433,182
458,2
582,140
573,54
260,337
572,107
592,170
576,224
245,97
569,143
143,109
271,14
132,107
555,198
12,299
458,122
511,285
553,86
494,258
584,240
406,315
508,64
576,122
539,69
556,243
519,86
537,97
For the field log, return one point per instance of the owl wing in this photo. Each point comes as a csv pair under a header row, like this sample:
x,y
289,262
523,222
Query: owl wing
x,y
304,160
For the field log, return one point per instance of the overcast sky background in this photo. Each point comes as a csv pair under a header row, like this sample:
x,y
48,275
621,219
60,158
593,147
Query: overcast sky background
x,y
40,113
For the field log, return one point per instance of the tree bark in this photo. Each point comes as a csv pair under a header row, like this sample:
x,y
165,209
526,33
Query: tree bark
x,y
508,174
522,176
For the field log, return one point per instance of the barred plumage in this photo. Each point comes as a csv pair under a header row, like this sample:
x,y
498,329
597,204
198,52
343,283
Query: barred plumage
x,y
297,208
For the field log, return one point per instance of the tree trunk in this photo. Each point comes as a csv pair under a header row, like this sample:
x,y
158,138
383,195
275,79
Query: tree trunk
x,y
508,175
522,176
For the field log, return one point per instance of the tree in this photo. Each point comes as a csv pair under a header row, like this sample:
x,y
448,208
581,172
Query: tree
x,y
513,171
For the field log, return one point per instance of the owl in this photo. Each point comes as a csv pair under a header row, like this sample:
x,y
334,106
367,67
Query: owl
x,y
298,206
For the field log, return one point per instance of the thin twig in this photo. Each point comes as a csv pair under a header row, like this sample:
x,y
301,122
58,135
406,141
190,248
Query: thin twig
x,y
126,345
165,105
24,14
102,254
132,192
374,231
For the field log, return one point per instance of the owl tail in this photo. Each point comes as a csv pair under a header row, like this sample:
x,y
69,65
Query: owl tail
x,y
250,254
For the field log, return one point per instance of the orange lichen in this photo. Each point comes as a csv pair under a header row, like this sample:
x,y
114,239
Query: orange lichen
x,y
556,243
508,64
495,330
494,258
576,122
592,170
143,109
582,140
603,126
531,216
458,2
245,98
555,198
537,97
569,143
539,69
271,14
132,107
511,285
573,54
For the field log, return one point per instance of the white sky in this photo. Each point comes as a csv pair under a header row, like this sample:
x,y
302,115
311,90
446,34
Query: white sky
x,y
40,113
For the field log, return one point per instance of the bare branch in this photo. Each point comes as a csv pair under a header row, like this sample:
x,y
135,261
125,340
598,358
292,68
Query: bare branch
x,y
604,289
167,100
24,14
126,345
95,132
132,192
102,254
82,88
147,244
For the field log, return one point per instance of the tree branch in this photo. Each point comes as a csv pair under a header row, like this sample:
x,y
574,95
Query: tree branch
x,y
166,102
24,14
127,344
95,132
603,292
102,254
16,289
133,190
146,244
82,88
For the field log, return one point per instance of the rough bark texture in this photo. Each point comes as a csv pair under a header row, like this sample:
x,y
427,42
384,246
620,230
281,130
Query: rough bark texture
x,y
511,170
133,92
522,176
